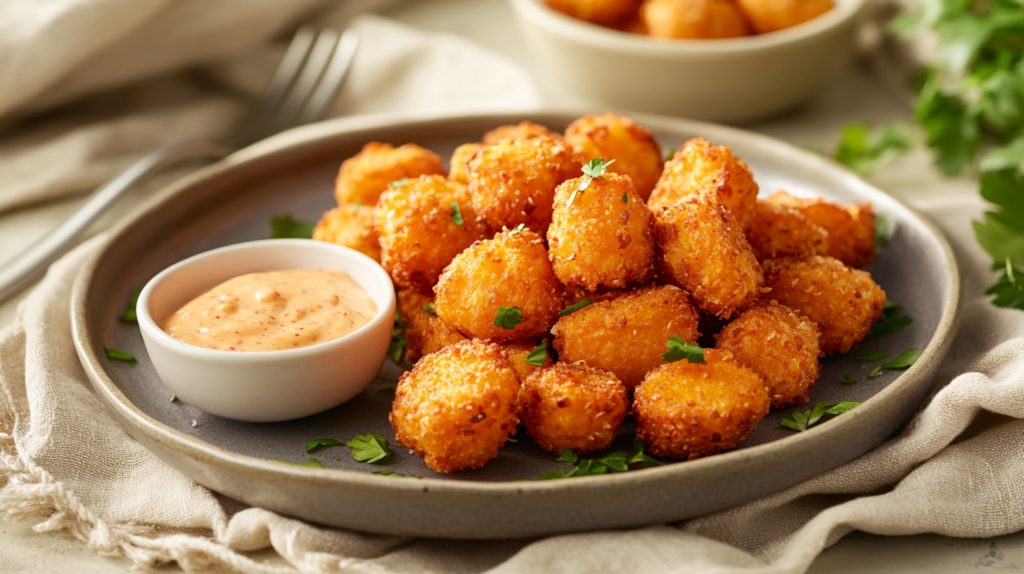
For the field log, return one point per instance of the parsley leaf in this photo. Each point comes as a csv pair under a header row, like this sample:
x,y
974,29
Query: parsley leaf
x,y
429,309
876,372
284,227
871,357
849,379
539,355
573,308
567,456
319,442
129,315
517,229
399,183
680,349
369,448
396,349
120,356
456,213
508,317
890,321
594,169
640,457
625,197
1008,290
904,361
819,413
313,463
172,398
618,461
866,151
385,471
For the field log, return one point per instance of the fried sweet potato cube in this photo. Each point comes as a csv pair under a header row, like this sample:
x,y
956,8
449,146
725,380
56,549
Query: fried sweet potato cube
x,y
571,405
457,406
604,238
366,175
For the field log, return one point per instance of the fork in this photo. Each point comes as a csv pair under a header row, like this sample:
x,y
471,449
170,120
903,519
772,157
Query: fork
x,y
301,91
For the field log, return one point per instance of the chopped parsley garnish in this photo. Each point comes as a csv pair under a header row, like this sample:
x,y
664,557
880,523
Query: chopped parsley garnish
x,y
120,356
129,315
1008,290
508,317
396,350
399,183
429,309
391,472
319,442
594,169
384,471
313,463
172,398
573,308
866,150
890,321
618,461
539,355
680,349
821,412
517,229
904,361
849,379
456,213
369,448
625,197
284,227
872,357
876,372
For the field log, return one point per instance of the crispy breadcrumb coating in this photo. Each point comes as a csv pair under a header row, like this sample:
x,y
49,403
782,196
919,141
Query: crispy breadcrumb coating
x,y
687,410
458,166
571,405
425,332
519,351
350,225
366,175
521,131
781,231
457,406
613,137
627,336
850,226
780,346
843,301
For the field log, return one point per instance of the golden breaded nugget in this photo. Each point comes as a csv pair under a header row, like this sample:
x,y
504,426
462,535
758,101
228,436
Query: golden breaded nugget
x,y
627,336
572,406
703,250
573,294
521,131
599,240
366,175
687,410
612,137
458,166
421,230
517,354
780,346
425,332
694,19
602,12
700,168
514,181
510,271
850,226
771,15
844,302
781,231
350,225
457,406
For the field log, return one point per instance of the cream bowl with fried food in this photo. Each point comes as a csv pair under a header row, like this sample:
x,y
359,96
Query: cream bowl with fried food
x,y
726,80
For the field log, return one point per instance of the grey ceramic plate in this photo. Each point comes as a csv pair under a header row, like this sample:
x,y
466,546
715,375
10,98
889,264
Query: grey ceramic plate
x,y
234,200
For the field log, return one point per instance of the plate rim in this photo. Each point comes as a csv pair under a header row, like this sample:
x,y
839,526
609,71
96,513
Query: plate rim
x,y
129,414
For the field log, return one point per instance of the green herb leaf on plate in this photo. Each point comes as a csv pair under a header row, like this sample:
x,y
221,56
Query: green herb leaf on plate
x,y
849,379
904,361
319,442
313,463
369,448
284,227
680,349
129,315
120,356
802,420
871,357
890,321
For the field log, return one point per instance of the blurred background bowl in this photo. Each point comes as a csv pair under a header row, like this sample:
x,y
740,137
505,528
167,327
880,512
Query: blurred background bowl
x,y
733,80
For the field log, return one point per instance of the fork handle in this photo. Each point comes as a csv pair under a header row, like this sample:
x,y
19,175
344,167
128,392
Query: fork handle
x,y
28,265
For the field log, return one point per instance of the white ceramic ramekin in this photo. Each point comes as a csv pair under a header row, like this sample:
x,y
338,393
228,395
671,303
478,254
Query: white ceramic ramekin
x,y
732,80
267,385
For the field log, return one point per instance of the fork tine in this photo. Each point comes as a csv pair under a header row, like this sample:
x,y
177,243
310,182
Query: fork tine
x,y
322,98
318,60
283,79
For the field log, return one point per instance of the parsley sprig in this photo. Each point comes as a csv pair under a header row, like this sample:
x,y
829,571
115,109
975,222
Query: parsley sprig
x,y
129,315
594,169
890,321
576,307
369,448
539,355
313,463
508,317
284,227
618,461
680,349
904,361
819,413
120,356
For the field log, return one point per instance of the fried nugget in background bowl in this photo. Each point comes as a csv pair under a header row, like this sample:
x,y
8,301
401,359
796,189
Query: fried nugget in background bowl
x,y
506,275
694,19
780,346
457,406
702,249
687,410
701,168
574,406
843,301
423,224
773,15
604,238
628,335
613,137
366,175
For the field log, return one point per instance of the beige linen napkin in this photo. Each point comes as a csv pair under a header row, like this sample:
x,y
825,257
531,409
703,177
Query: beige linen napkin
x,y
954,470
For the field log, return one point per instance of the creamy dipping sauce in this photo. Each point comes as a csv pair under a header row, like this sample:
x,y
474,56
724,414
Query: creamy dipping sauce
x,y
273,311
